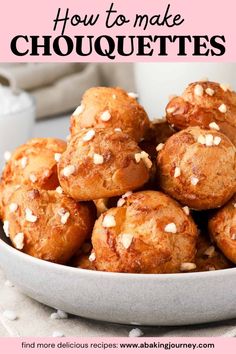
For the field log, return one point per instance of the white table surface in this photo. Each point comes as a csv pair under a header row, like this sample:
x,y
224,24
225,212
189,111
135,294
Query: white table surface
x,y
33,318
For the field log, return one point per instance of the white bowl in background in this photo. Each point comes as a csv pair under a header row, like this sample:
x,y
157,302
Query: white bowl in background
x,y
16,127
137,299
155,82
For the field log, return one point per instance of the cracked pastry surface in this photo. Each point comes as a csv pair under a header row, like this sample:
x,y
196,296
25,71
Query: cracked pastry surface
x,y
205,104
32,164
108,164
107,107
149,233
47,225
197,167
222,229
209,257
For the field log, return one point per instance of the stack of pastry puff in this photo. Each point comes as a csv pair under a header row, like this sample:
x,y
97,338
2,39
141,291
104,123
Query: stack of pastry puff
x,y
126,194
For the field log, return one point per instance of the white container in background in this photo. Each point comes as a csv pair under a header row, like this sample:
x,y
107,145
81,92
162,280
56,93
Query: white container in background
x,y
17,115
155,82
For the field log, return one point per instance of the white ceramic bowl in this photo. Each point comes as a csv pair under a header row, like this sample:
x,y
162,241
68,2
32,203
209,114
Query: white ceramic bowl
x,y
16,127
175,299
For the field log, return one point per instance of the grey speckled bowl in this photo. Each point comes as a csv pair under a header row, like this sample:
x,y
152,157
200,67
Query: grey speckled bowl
x,y
176,299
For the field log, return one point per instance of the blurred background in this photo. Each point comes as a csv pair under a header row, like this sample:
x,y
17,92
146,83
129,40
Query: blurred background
x,y
58,87
42,96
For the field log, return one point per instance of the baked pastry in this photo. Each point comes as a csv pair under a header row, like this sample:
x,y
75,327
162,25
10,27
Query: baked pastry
x,y
106,107
101,163
101,205
208,105
82,261
148,233
6,192
198,168
150,148
35,164
159,133
222,228
162,131
82,258
49,189
46,224
209,257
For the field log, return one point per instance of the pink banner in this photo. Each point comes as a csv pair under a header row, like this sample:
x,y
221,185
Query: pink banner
x,y
125,31
118,345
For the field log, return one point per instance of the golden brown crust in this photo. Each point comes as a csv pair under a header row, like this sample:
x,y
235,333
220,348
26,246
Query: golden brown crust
x,y
54,226
209,257
138,243
196,109
115,172
81,259
125,112
101,205
159,133
113,150
6,192
34,164
222,228
197,175
150,148
162,131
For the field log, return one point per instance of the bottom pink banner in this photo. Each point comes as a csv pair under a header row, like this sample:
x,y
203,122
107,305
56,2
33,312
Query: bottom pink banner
x,y
117,345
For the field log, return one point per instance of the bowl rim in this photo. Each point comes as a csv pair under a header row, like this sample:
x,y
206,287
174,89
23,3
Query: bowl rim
x,y
60,267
